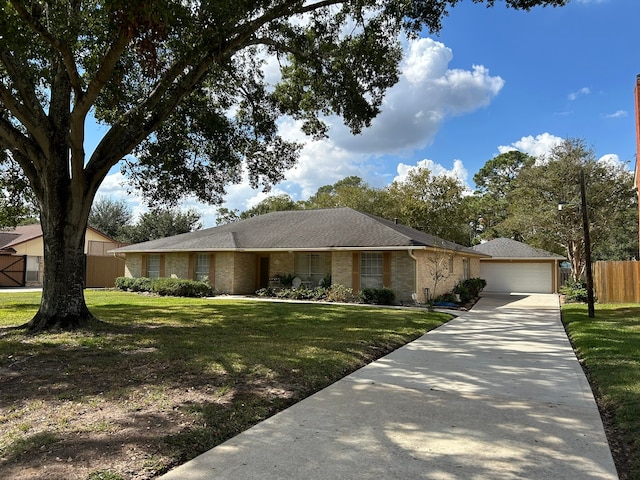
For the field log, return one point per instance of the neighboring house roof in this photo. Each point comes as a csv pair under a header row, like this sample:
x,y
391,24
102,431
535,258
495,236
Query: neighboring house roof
x,y
24,233
19,235
325,229
506,248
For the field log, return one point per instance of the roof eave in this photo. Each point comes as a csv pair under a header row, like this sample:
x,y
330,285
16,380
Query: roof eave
x,y
528,258
298,249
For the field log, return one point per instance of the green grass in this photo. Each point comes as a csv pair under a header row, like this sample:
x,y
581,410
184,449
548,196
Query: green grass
x,y
219,365
609,347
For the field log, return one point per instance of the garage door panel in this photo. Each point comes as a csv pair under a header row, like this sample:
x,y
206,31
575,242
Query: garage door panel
x,y
517,277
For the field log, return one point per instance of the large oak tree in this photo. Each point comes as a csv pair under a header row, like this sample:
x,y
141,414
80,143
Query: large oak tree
x,y
180,86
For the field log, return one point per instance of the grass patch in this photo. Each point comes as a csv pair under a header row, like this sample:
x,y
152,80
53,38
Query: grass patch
x,y
609,348
163,379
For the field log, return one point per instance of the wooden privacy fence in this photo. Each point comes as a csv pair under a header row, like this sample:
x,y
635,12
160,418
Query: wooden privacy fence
x,y
101,272
617,282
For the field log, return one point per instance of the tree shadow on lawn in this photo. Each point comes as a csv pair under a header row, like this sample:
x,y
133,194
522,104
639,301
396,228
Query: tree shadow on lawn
x,y
207,372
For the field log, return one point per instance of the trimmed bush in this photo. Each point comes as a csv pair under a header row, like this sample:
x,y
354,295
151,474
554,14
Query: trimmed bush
x,y
178,287
124,283
334,293
574,291
469,289
378,296
141,284
175,287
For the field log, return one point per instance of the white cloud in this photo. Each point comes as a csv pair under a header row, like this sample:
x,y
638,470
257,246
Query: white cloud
x,y
427,93
114,187
583,91
537,146
617,114
613,160
457,171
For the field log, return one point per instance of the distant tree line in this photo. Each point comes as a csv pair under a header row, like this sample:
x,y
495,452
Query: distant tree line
x,y
115,218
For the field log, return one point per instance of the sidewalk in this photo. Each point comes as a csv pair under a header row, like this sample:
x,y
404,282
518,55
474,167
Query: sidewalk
x,y
496,393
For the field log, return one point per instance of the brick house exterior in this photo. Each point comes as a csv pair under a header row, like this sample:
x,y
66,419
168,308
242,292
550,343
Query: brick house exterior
x,y
351,248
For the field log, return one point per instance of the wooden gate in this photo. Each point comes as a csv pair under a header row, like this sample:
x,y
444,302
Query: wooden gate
x,y
13,270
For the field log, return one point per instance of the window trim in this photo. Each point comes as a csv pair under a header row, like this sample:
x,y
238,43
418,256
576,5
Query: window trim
x,y
368,277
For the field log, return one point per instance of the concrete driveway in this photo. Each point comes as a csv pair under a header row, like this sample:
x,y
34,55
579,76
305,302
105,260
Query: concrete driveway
x,y
496,393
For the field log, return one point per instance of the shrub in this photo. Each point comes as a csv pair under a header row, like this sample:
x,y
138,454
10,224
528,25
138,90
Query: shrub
x,y
446,298
339,293
463,291
574,291
179,287
334,293
141,284
176,287
378,296
124,283
469,289
266,292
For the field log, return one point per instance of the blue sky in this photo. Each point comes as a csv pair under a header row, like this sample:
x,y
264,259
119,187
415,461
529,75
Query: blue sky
x,y
492,80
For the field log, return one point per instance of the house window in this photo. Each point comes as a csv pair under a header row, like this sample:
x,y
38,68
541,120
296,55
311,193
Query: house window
x,y
371,270
153,266
466,269
33,269
450,263
202,266
311,268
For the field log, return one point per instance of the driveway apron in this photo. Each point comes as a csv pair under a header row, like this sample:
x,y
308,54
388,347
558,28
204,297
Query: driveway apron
x,y
496,393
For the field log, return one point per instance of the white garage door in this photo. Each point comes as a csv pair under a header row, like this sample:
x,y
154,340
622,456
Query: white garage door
x,y
517,277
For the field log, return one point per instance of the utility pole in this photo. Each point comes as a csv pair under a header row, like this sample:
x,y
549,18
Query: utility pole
x,y
587,247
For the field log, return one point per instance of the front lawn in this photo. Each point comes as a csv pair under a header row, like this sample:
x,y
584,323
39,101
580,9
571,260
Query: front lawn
x,y
609,348
163,379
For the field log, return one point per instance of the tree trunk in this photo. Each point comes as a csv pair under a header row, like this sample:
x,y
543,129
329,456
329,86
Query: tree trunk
x,y
62,305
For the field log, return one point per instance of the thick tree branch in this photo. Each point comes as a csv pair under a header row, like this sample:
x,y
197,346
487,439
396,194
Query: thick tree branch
x,y
140,122
19,80
60,46
102,76
23,114
21,148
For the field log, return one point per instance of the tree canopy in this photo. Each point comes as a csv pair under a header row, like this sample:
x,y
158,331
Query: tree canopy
x,y
110,216
180,85
160,223
539,188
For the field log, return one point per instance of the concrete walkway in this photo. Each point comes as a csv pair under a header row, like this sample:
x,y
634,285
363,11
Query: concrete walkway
x,y
496,393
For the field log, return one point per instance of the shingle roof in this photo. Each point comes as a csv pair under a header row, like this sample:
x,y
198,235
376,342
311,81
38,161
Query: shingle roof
x,y
24,233
20,234
326,229
501,248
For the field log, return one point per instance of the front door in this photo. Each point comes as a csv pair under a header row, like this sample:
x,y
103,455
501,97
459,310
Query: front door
x,y
263,272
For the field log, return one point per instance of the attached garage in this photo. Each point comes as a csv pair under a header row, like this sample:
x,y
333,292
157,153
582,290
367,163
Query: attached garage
x,y
515,267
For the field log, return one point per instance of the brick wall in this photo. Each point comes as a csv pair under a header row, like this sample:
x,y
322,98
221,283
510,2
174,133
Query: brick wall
x,y
341,268
133,265
245,273
224,272
176,265
281,263
403,276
